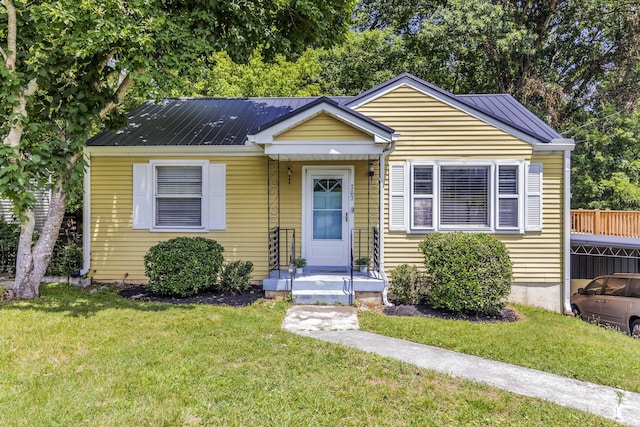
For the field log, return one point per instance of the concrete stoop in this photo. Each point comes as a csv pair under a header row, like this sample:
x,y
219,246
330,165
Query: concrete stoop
x,y
313,287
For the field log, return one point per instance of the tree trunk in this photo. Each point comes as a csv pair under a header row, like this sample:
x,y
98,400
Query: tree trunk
x,y
33,260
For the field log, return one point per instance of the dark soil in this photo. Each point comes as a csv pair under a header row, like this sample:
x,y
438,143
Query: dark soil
x,y
506,315
139,293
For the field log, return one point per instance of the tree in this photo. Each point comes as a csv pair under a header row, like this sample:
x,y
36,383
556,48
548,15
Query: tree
x,y
554,56
606,162
67,65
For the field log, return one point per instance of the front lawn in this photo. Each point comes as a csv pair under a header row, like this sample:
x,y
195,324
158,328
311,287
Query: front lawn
x,y
540,340
77,359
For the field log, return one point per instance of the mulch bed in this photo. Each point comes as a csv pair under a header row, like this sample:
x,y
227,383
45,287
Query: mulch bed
x,y
506,315
139,293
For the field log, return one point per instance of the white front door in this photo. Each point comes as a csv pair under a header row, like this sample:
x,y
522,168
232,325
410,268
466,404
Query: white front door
x,y
327,215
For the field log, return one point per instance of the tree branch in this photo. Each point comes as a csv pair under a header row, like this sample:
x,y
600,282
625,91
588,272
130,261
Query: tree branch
x,y
12,36
124,86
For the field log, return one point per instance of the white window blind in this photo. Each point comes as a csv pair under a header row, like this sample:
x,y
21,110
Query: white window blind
x,y
178,196
464,196
422,213
508,196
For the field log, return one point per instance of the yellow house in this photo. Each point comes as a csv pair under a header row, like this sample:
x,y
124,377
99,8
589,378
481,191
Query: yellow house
x,y
332,180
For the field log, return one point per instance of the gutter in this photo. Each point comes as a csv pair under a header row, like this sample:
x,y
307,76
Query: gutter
x,y
86,219
383,158
566,235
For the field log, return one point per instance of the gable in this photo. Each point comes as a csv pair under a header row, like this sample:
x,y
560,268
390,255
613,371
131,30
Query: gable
x,y
323,127
428,126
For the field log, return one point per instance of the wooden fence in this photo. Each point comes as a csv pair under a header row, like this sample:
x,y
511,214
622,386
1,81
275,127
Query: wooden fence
x,y
607,222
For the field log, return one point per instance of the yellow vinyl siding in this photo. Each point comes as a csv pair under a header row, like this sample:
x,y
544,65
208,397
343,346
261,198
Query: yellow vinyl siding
x,y
323,127
432,130
117,250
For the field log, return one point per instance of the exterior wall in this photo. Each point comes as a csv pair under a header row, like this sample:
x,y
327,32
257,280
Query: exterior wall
x,y
323,127
117,250
430,129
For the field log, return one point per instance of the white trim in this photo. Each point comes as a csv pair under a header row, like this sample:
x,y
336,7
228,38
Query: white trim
x,y
406,81
86,219
555,145
336,148
348,195
493,196
204,205
176,150
266,136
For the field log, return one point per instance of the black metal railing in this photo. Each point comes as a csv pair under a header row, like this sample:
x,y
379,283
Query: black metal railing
x,y
282,247
375,244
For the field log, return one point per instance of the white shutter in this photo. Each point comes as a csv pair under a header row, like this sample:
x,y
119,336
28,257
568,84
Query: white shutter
x,y
397,201
142,188
217,197
534,197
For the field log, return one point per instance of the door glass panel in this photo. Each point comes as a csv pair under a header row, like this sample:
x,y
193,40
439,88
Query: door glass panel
x,y
327,209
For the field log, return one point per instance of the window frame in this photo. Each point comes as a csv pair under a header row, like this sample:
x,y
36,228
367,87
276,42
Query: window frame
x,y
204,196
494,196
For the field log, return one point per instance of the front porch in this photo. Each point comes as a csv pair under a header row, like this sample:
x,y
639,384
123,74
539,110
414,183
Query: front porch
x,y
325,285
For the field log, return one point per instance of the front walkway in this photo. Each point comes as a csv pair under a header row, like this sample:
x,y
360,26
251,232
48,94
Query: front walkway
x,y
339,325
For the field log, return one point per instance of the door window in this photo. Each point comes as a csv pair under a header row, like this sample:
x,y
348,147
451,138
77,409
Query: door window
x,y
634,288
327,209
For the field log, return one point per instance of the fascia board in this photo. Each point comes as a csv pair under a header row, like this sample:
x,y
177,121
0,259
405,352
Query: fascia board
x,y
175,150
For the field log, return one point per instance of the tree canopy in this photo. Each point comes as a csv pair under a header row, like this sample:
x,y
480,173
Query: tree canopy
x,y
66,66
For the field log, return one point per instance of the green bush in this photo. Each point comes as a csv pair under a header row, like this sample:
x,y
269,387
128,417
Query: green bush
x,y
9,236
183,266
467,272
236,276
65,259
407,285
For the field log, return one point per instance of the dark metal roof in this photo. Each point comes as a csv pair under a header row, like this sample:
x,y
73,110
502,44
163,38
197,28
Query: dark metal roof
x,y
502,108
199,121
228,121
579,239
509,110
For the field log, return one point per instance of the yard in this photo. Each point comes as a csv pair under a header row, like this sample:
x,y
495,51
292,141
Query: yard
x,y
75,358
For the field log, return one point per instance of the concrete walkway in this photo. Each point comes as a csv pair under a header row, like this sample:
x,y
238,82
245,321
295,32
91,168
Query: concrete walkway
x,y
339,325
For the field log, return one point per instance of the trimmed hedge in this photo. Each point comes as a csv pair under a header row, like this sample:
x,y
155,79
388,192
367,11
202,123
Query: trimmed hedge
x,y
467,272
183,266
236,276
407,285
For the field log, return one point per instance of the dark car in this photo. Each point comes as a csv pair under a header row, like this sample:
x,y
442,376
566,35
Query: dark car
x,y
612,300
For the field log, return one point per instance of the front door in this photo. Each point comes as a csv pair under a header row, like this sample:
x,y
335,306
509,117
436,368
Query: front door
x,y
326,211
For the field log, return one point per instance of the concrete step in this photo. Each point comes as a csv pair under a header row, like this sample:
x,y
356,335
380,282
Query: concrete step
x,y
330,297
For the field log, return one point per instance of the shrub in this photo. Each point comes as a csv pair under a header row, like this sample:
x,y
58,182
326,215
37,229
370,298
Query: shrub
x,y
183,266
407,285
9,236
65,260
467,272
236,276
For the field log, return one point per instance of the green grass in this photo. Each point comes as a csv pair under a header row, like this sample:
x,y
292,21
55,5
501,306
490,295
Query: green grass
x,y
77,359
540,340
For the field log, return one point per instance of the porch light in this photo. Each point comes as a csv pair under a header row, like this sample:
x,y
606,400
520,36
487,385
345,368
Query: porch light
x,y
289,171
372,170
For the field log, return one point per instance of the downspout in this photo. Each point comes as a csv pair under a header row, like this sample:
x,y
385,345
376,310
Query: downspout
x,y
383,158
566,294
86,219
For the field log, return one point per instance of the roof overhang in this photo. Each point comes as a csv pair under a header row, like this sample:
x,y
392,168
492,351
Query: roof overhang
x,y
555,145
323,149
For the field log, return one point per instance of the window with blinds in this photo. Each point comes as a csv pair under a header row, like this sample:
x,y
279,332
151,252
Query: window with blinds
x,y
422,190
508,185
178,196
464,195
